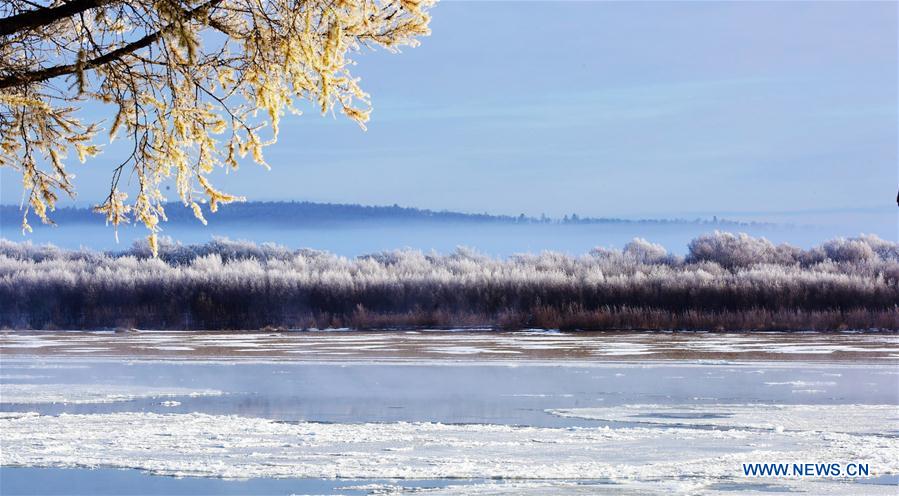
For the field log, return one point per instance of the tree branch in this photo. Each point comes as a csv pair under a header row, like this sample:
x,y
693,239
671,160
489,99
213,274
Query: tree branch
x,y
46,15
61,70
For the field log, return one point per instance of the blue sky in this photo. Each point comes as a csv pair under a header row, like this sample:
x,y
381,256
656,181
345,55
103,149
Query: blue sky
x,y
605,109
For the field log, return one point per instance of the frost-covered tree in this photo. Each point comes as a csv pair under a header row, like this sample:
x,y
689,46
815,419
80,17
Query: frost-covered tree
x,y
240,285
189,83
739,250
645,252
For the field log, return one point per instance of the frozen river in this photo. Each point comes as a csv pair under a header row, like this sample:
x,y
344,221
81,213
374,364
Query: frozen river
x,y
444,412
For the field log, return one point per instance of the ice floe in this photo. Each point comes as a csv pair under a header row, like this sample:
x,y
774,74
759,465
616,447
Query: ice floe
x,y
242,447
461,344
90,393
856,419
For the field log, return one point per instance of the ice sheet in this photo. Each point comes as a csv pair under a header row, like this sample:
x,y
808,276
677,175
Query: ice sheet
x,y
241,447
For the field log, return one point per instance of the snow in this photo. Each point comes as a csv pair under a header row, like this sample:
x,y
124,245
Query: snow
x,y
458,344
229,446
167,348
468,350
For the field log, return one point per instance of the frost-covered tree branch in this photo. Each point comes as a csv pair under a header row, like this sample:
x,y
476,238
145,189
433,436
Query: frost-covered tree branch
x,y
190,84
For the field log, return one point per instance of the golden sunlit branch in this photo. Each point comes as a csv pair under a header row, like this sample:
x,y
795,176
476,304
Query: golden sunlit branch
x,y
190,84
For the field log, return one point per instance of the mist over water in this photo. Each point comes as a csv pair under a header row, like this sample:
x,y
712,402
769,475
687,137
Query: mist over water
x,y
499,240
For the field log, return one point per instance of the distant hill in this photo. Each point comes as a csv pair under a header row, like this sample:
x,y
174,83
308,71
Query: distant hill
x,y
308,213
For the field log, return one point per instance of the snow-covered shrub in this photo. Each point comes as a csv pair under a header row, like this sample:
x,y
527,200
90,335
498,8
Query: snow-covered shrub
x,y
645,252
739,250
242,285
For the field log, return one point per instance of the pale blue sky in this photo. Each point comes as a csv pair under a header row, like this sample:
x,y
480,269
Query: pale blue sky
x,y
605,109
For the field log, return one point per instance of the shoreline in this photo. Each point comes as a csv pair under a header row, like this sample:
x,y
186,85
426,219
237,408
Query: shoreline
x,y
529,347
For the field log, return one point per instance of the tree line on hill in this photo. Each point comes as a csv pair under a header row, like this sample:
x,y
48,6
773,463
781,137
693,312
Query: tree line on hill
x,y
310,213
